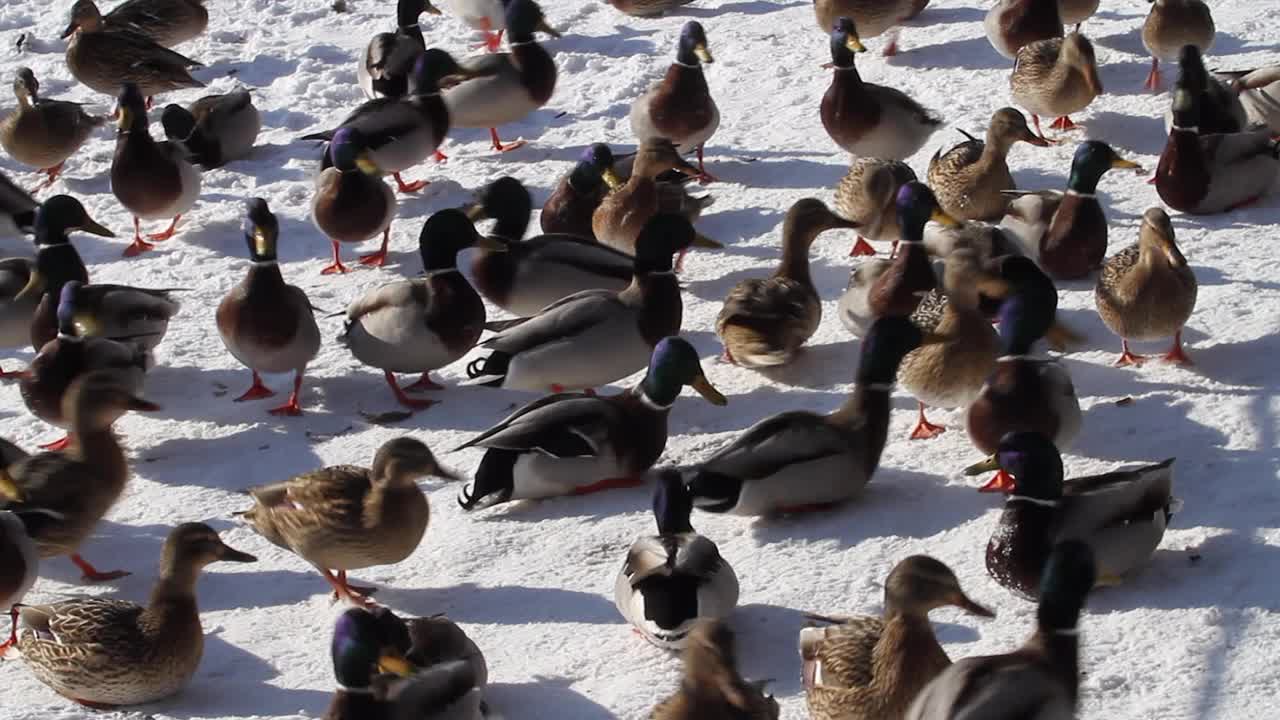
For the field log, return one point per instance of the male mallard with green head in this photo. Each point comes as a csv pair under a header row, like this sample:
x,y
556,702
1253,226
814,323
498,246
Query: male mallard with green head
x,y
351,203
216,129
680,107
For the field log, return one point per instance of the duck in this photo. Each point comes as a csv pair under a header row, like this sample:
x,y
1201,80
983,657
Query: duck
x,y
680,108
866,119
867,195
1172,25
164,22
1122,515
19,556
863,667
569,208
505,87
1074,12
1147,291
152,180
383,71
42,133
647,8
1011,24
265,323
968,178
1024,392
17,209
1210,174
429,641
83,482
800,461
216,129
873,17
104,653
579,443
621,217
1055,78
346,517
351,203
358,649
103,58
489,17
1259,93
594,337
765,321
711,686
1221,102
1041,679
671,581
528,275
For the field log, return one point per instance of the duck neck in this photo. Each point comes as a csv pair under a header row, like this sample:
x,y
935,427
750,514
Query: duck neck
x,y
438,257
176,587
1061,647
996,148
58,264
512,223
1084,180
795,255
99,448
264,278
866,410
842,60
657,393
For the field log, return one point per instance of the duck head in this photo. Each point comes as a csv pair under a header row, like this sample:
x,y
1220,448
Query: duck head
x,y
62,214
349,152
1186,107
1191,71
1008,126
920,583
131,109
178,122
673,365
84,16
408,11
887,341
672,503
845,43
1068,576
25,86
192,546
661,237
261,231
1092,160
916,206
524,17
1156,238
692,50
445,234
1033,461
1028,311
403,460
809,217
596,164
505,200
358,650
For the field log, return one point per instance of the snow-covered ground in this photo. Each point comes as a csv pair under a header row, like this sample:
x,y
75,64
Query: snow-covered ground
x,y
1193,637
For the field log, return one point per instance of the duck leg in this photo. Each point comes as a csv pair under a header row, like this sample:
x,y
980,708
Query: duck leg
x,y
861,247
1000,482
341,590
492,41
1153,77
925,429
497,142
12,374
1035,119
58,445
424,384
139,245
1176,354
377,259
93,574
1128,358
169,231
13,629
412,187
706,177
891,48
405,400
291,408
257,391
1064,123
336,266
440,157
52,173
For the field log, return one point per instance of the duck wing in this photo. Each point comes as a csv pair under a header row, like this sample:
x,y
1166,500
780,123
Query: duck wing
x,y
65,629
791,437
560,425
559,321
1115,499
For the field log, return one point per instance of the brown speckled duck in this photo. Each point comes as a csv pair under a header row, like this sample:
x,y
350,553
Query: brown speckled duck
x,y
1171,25
647,8
680,108
1011,24
711,687
165,22
1055,78
873,17
968,178
103,58
624,212
867,195
43,133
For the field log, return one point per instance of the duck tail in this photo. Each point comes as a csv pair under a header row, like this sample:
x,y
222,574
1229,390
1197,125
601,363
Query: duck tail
x,y
494,480
490,370
324,136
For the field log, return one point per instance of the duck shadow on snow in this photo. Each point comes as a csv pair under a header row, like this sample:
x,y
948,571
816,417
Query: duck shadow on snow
x,y
291,453
973,53
1136,134
741,8
759,170
503,604
592,508
554,695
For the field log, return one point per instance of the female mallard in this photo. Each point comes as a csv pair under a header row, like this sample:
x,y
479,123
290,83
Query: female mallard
x,y
152,180
968,178
576,443
621,217
1122,515
1221,103
1024,392
765,321
531,274
680,107
1055,78
672,580
43,133
572,204
505,87
81,484
1074,12
865,667
420,325
1011,24
798,460
1042,678
594,337
867,119
712,686
1147,291
1206,174
265,323
216,129
359,649
351,202
647,8
104,58
384,69
867,195
17,209
489,17
1172,25
164,22
873,17
104,653
347,517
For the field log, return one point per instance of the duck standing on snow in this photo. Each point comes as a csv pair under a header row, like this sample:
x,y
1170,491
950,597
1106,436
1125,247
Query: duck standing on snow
x,y
622,215
571,205
680,107
19,556
1172,25
1011,24
968,178
712,686
265,323
576,443
216,129
1147,291
873,17
489,17
43,133
389,57
164,22
351,203
867,195
765,321
1055,78
104,58
866,667
675,579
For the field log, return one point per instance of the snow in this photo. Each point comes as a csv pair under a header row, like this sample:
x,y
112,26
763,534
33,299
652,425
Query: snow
x,y
531,583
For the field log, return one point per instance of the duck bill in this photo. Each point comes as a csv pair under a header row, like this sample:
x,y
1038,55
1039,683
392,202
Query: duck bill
x,y
991,464
231,554
545,28
367,165
138,404
430,9
1029,137
474,211
964,602
392,661
1122,164
704,388
940,216
612,179
704,55
71,29
853,44
9,488
484,242
91,226
702,241
124,118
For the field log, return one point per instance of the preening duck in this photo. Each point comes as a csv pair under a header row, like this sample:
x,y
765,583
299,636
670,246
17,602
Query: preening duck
x,y
680,107
216,129
384,69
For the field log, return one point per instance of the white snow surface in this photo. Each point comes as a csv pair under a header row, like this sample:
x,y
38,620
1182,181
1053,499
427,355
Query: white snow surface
x,y
1192,637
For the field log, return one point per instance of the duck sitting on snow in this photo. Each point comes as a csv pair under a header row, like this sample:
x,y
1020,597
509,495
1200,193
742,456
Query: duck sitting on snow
x,y
680,107
216,129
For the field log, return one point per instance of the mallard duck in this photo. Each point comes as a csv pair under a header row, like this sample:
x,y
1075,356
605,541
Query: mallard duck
x,y
351,203
19,556
17,209
765,321
265,323
623,214
505,87
1011,24
1024,392
868,119
798,460
1042,678
1055,78
579,443
647,8
1222,107
531,274
1122,515
43,133
359,648
1074,12
489,17
428,641
216,129
711,687
384,69
968,178
1172,25
867,195
104,653
164,22
680,107
571,205
873,17
347,517
672,580
104,58
82,483
594,337
1147,291
867,667
1206,174
1259,93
